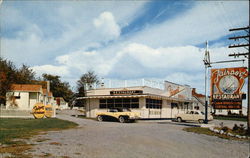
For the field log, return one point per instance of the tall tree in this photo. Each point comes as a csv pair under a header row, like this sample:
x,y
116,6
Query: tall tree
x,y
9,74
86,81
7,77
25,75
58,88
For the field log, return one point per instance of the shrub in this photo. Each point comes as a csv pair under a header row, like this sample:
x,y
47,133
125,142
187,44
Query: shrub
x,y
236,127
225,128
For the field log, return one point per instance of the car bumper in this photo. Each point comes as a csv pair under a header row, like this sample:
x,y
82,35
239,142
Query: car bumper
x,y
134,118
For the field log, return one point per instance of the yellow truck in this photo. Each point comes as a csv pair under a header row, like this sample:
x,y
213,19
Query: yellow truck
x,y
121,114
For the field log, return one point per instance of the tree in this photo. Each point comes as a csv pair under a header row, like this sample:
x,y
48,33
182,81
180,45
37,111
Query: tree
x,y
86,81
25,75
58,88
7,77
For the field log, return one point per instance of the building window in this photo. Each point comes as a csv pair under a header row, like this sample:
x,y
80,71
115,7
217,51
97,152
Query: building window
x,y
153,103
174,105
119,103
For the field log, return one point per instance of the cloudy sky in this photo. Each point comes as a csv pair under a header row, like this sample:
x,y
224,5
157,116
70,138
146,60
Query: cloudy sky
x,y
122,40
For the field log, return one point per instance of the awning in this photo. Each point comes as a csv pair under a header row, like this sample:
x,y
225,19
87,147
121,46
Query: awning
x,y
151,96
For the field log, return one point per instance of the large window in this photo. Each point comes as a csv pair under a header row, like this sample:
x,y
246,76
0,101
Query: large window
x,y
153,103
119,103
174,105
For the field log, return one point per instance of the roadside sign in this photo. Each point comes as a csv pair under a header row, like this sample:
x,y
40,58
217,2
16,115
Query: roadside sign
x,y
48,111
226,85
38,110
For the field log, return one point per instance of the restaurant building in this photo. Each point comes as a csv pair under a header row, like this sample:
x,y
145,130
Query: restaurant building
x,y
151,102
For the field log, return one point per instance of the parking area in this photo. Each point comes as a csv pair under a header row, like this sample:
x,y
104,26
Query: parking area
x,y
151,139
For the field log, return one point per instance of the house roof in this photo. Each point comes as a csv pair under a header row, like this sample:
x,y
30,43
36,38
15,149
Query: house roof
x,y
194,93
50,94
26,87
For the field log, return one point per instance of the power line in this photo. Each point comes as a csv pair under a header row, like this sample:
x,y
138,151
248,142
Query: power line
x,y
245,45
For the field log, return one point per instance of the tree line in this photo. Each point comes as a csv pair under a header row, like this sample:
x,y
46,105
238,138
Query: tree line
x,y
10,74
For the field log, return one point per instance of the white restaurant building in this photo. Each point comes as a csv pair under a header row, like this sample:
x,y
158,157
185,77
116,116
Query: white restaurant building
x,y
150,102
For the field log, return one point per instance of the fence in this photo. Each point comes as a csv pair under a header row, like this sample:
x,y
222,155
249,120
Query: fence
x,y
109,83
13,113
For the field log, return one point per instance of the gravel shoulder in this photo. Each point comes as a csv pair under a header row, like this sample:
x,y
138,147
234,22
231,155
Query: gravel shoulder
x,y
161,139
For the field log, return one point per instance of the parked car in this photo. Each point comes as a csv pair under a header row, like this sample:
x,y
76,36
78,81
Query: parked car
x,y
193,116
121,114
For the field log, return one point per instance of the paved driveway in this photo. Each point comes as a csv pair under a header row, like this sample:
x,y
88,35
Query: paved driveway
x,y
157,139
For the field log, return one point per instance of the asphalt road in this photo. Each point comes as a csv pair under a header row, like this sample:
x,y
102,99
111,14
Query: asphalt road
x,y
145,139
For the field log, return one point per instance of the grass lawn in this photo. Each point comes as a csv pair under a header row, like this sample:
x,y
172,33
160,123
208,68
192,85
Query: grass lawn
x,y
231,118
201,130
12,129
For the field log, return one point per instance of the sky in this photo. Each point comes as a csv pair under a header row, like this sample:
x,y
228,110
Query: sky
x,y
121,40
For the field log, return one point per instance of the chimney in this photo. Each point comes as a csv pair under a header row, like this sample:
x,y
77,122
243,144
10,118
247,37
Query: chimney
x,y
48,86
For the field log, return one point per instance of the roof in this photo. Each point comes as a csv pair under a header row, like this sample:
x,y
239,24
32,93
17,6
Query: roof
x,y
50,94
26,87
194,93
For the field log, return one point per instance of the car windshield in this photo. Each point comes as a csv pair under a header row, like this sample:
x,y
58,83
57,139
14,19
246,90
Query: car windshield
x,y
124,110
113,110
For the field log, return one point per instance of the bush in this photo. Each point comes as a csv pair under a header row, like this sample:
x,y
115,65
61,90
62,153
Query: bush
x,y
225,128
236,127
239,129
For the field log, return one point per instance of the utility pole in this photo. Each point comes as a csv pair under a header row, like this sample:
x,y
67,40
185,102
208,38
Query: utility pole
x,y
247,55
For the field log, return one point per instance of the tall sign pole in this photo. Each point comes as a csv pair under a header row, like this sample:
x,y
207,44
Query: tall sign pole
x,y
247,55
207,64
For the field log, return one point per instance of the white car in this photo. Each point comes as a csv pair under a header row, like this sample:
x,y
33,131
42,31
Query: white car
x,y
193,116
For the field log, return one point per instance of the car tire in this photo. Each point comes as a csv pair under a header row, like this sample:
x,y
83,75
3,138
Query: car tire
x,y
122,119
100,118
179,119
201,121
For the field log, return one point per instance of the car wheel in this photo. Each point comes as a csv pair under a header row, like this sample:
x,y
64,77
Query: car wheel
x,y
122,119
201,121
100,118
179,119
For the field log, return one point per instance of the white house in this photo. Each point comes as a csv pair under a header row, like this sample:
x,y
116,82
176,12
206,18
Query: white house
x,y
25,96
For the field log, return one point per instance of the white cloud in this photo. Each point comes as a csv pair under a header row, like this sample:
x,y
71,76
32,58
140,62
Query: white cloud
x,y
82,61
106,26
188,57
61,28
51,69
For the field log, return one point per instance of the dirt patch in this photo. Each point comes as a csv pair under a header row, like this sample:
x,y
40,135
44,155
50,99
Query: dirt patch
x,y
55,143
16,150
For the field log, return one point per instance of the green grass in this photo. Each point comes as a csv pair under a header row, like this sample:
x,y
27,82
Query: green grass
x,y
230,118
24,128
201,130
